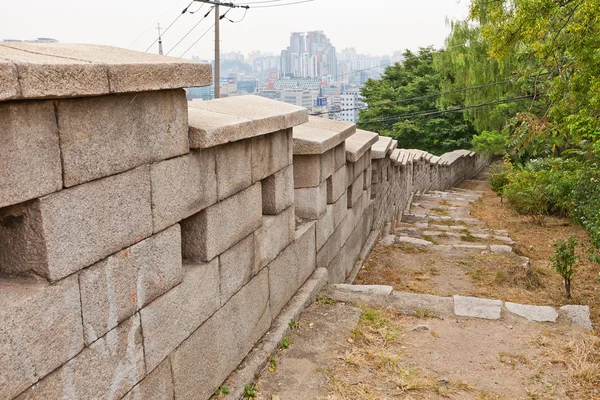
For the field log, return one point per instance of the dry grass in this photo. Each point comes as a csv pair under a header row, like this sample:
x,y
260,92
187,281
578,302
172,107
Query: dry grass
x,y
580,353
536,242
373,367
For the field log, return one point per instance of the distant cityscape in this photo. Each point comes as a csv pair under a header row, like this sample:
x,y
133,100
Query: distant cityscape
x,y
309,73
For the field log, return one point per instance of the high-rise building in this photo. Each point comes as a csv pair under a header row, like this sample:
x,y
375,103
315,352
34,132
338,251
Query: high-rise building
x,y
310,55
351,103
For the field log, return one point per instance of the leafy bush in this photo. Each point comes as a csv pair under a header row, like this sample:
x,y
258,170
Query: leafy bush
x,y
585,204
489,143
527,195
564,259
499,177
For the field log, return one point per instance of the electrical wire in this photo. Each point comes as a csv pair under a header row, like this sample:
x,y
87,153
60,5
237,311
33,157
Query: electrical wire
x,y
236,22
420,97
440,112
152,26
172,23
200,38
190,31
281,5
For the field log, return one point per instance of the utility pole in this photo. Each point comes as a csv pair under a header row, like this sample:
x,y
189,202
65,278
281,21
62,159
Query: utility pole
x,y
160,47
217,4
217,51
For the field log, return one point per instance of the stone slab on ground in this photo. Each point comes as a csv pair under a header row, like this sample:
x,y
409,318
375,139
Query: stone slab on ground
x,y
477,308
417,302
578,315
412,241
533,313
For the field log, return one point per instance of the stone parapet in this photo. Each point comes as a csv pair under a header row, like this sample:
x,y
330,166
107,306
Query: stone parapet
x,y
146,243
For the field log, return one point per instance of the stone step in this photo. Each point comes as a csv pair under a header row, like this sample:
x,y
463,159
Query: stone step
x,y
446,237
413,217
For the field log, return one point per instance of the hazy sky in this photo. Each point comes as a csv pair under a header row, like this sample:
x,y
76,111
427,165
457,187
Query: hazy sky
x,y
372,27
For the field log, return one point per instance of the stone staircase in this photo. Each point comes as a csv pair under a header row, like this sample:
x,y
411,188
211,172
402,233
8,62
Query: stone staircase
x,y
442,222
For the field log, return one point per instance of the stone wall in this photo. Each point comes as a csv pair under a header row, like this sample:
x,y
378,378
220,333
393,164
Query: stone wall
x,y
146,245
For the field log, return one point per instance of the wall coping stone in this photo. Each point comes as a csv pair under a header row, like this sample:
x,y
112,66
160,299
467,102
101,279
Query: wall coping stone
x,y
60,70
381,148
320,134
394,146
230,119
359,143
395,155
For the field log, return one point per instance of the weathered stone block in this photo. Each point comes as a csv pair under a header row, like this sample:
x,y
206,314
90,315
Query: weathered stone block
x,y
291,268
330,249
313,169
41,330
320,134
340,209
158,385
275,234
339,156
278,191
29,151
108,369
355,191
477,308
182,187
216,228
236,267
325,226
102,136
336,185
207,357
311,203
173,317
270,153
234,168
67,231
115,288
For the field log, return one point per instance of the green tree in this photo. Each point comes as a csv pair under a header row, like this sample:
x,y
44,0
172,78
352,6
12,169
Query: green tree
x,y
556,44
415,77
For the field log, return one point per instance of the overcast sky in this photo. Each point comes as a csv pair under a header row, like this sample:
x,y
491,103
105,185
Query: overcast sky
x,y
372,27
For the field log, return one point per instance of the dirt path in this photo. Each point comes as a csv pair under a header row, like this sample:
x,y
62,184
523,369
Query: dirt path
x,y
448,244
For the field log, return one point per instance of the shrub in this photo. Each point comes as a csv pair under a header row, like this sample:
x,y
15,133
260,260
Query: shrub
x,y
527,195
563,260
499,177
585,205
489,143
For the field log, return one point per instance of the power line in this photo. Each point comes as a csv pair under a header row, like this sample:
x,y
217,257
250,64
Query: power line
x,y
191,30
200,38
419,98
286,4
440,112
172,23
152,26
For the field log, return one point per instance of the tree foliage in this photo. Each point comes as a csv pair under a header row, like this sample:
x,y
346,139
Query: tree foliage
x,y
415,77
555,44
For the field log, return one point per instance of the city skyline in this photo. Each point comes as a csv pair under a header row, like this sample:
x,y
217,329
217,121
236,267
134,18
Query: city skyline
x,y
375,30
